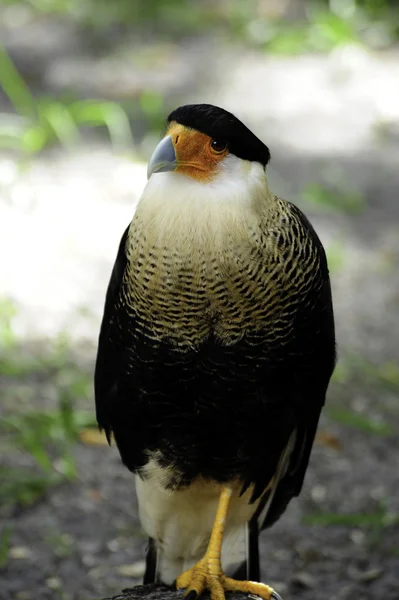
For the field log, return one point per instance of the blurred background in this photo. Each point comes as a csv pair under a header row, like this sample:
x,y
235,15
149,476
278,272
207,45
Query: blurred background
x,y
85,87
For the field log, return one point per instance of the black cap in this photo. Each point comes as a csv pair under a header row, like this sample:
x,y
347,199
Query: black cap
x,y
223,126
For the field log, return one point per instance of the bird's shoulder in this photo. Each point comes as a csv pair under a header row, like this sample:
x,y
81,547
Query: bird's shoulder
x,y
293,229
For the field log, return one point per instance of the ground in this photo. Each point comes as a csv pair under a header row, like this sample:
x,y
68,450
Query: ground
x,y
68,509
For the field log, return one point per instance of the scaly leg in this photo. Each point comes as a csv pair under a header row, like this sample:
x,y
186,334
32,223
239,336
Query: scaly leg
x,y
207,574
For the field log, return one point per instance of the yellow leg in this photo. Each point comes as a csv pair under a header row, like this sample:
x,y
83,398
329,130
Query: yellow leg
x,y
207,574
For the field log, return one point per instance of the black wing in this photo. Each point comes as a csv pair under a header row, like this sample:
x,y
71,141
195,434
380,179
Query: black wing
x,y
311,378
110,353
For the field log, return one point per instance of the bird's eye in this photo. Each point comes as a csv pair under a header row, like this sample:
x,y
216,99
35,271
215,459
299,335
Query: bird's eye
x,y
218,146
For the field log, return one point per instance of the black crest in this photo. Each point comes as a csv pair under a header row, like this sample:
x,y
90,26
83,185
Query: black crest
x,y
222,125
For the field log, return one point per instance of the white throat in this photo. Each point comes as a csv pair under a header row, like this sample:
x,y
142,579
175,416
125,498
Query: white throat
x,y
175,208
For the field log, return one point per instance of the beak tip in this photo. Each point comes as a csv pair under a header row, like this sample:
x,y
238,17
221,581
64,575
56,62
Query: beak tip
x,y
163,158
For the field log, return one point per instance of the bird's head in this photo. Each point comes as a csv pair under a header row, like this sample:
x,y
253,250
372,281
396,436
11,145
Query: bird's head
x,y
202,141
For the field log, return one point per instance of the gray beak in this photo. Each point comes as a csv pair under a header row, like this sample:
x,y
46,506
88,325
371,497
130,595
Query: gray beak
x,y
163,158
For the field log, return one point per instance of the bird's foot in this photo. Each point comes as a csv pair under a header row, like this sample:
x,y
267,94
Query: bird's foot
x,y
206,575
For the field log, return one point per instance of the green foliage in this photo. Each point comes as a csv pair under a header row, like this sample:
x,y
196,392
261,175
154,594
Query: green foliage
x,y
62,543
99,14
356,372
388,375
346,201
379,519
373,523
5,545
336,256
322,32
361,371
43,439
152,107
8,311
41,122
355,420
21,488
323,24
327,25
47,437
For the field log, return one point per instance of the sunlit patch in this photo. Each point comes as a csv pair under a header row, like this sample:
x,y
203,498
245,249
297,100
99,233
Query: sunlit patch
x,y
197,154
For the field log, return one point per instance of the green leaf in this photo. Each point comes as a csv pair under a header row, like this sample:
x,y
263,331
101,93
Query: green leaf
x,y
8,311
389,374
357,421
5,544
336,256
20,487
15,87
34,139
376,519
67,419
60,121
151,103
108,114
344,201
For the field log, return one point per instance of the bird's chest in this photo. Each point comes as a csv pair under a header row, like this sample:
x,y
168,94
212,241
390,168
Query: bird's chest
x,y
187,296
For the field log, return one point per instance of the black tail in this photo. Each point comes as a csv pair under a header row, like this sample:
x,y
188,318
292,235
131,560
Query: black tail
x,y
249,569
150,563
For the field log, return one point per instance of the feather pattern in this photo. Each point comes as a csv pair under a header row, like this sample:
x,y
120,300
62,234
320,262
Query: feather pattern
x,y
218,342
215,352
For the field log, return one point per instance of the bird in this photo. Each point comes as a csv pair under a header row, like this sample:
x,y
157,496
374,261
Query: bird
x,y
215,353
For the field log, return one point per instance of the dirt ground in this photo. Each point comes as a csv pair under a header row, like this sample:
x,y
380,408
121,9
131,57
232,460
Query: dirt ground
x,y
330,120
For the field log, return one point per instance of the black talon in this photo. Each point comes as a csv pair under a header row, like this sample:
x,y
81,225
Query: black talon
x,y
192,595
276,596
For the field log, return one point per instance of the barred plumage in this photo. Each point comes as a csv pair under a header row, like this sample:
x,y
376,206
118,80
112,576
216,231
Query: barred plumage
x,y
217,342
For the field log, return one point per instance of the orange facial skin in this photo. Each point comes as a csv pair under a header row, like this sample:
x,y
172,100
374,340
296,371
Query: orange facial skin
x,y
194,153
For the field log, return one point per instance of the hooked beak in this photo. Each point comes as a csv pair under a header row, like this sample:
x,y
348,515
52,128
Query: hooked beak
x,y
163,158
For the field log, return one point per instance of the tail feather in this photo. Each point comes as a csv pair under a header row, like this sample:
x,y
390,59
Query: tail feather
x,y
253,568
163,569
150,563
